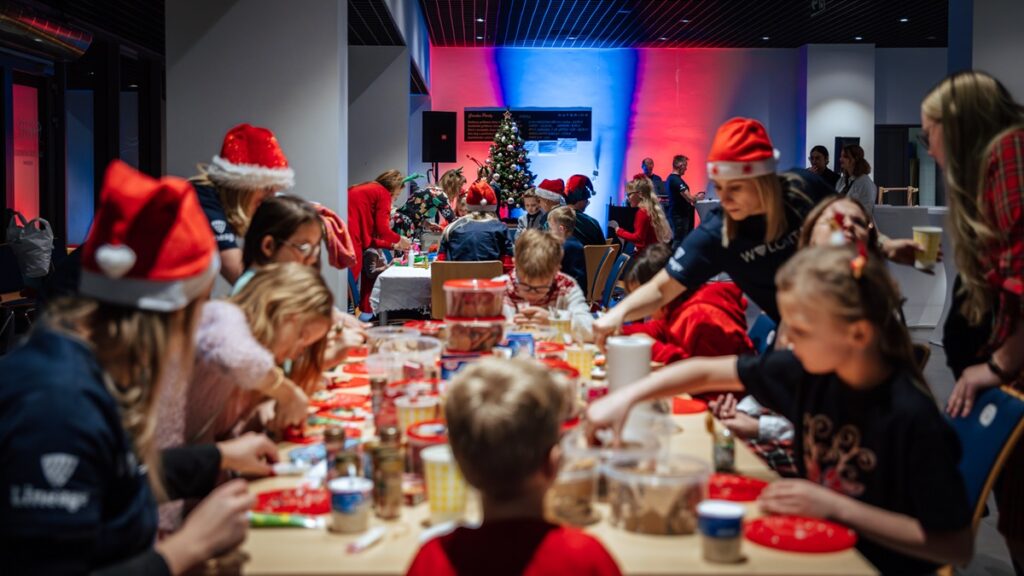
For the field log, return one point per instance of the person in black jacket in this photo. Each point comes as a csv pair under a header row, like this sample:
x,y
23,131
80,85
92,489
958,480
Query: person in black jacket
x,y
77,402
578,192
819,165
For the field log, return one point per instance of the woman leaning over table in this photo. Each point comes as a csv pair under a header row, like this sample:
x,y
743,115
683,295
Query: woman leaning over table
x,y
975,131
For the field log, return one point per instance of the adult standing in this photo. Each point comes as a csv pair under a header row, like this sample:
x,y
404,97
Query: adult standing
x,y
425,206
682,203
250,168
975,131
369,222
578,191
647,167
855,181
750,236
819,165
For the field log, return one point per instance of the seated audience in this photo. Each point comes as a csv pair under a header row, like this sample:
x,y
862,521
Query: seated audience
x,y
503,424
561,222
478,236
535,286
578,191
551,195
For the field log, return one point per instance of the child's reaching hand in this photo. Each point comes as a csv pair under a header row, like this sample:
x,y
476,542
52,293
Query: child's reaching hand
x,y
739,423
799,497
532,315
608,412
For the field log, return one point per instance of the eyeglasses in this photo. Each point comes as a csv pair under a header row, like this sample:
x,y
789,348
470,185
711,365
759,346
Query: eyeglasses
x,y
531,289
305,249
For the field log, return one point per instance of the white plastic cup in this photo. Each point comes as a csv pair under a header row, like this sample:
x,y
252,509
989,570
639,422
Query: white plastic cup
x,y
351,501
721,527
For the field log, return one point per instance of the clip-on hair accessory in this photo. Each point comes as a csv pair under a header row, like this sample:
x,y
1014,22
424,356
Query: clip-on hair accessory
x,y
859,261
837,237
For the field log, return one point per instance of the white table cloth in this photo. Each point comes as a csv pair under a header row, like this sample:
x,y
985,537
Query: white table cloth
x,y
401,288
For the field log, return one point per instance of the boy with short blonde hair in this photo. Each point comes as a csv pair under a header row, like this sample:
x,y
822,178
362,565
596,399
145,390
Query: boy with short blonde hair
x,y
535,285
503,424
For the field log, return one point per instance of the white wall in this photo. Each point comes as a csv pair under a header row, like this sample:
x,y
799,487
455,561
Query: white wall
x,y
409,19
378,111
269,64
998,43
903,76
840,94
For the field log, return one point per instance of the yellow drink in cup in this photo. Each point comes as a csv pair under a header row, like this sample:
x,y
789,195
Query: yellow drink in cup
x,y
447,490
581,357
414,410
930,237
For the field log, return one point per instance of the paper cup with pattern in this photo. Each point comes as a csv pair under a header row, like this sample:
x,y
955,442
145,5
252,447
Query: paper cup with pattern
x,y
447,490
930,237
412,410
581,357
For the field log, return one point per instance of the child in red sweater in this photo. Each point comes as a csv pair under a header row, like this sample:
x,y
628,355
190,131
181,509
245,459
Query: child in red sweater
x,y
650,226
709,322
503,424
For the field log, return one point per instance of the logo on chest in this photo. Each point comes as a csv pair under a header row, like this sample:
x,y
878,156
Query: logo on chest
x,y
835,458
760,251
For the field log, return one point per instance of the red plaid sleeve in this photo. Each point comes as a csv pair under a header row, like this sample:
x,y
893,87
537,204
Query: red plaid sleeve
x,y
1004,195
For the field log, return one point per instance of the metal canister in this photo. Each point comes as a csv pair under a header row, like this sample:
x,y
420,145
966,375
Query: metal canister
x,y
724,451
334,444
388,468
348,462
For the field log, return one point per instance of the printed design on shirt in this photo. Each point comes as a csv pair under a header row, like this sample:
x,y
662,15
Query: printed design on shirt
x,y
223,234
835,458
219,226
57,468
763,250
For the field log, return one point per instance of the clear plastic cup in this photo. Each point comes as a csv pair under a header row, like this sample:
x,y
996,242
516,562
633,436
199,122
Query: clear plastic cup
x,y
447,491
581,357
657,495
375,336
421,355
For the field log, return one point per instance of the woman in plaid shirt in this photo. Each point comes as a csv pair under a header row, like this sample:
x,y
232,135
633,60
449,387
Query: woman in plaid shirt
x,y
975,131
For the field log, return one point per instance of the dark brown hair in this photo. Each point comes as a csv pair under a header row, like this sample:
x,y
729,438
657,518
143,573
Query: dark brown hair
x,y
392,180
648,263
860,165
278,217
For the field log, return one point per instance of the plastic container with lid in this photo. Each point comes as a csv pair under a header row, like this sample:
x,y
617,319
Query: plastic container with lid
x,y
420,355
432,328
422,435
375,336
474,298
474,334
656,495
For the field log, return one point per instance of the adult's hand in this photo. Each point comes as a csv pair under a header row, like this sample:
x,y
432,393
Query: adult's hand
x,y
218,524
403,244
973,380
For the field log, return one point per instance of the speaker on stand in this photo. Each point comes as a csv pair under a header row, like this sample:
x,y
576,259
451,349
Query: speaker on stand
x,y
438,139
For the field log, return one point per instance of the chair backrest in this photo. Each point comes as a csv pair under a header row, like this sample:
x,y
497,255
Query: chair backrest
x,y
913,194
987,438
762,333
598,258
618,268
441,272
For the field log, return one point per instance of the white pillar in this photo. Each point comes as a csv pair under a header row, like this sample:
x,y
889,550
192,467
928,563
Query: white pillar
x,y
840,95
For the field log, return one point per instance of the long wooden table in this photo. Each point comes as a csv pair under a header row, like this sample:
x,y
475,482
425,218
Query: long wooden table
x,y
297,551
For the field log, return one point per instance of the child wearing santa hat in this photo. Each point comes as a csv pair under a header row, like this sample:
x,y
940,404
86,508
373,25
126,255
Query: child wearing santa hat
x,y
551,195
250,168
479,235
78,400
750,236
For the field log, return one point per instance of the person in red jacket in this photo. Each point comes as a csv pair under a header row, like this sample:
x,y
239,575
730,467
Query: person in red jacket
x,y
710,322
369,222
504,419
651,225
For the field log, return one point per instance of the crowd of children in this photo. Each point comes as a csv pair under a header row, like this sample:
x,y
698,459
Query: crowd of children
x,y
140,389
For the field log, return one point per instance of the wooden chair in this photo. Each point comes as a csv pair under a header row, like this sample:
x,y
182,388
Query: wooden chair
x,y
913,195
441,272
596,256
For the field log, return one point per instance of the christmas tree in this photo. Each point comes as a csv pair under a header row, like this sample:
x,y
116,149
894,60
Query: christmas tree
x,y
508,165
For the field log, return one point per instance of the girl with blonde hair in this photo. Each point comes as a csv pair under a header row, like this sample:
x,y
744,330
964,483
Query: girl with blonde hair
x,y
651,225
974,129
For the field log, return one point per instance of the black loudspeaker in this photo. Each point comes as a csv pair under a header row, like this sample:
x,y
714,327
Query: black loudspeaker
x,y
438,137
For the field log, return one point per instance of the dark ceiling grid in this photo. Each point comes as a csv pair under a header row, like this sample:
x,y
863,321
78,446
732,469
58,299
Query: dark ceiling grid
x,y
627,24
669,27
561,34
587,31
370,24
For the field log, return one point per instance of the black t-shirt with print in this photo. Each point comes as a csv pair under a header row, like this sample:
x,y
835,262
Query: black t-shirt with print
x,y
749,260
889,447
223,231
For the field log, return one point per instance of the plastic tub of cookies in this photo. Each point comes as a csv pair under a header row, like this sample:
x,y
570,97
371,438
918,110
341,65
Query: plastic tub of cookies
x,y
657,495
474,298
474,334
377,335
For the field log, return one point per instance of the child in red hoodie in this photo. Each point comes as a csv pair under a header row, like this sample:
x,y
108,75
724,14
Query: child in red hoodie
x,y
711,321
503,424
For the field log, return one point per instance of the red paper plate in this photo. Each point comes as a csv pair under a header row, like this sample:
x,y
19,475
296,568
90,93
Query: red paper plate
x,y
356,382
357,352
549,348
734,487
342,415
294,501
296,435
354,368
798,534
338,400
688,406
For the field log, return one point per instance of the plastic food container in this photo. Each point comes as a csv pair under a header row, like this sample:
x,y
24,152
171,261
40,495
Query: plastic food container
x,y
474,334
375,336
350,504
474,298
656,496
432,328
420,355
424,435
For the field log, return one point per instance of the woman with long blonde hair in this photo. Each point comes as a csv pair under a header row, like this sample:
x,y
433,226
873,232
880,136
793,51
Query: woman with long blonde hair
x,y
975,131
650,225
78,402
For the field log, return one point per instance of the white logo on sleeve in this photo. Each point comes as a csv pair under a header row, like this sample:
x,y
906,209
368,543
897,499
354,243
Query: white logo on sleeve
x,y
219,226
58,468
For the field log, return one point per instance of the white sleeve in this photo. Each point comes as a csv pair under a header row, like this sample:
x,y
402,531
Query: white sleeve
x,y
774,429
582,319
750,406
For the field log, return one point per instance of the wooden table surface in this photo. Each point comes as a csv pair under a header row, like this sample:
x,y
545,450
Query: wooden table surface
x,y
297,551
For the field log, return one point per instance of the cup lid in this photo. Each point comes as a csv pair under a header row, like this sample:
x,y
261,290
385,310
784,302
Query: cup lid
x,y
722,509
349,484
432,431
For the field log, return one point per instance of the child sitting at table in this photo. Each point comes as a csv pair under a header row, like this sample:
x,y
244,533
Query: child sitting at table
x,y
561,223
535,286
479,235
876,452
709,322
503,424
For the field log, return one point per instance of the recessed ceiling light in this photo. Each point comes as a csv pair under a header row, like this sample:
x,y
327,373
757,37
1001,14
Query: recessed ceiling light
x,y
858,38
479,19
662,38
571,38
685,21
904,20
930,38
37,39
766,38
624,11
133,85
479,37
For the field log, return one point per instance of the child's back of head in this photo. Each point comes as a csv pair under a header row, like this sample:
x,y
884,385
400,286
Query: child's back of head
x,y
503,421
538,255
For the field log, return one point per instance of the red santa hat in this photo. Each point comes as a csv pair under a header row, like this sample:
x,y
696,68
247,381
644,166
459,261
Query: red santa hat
x,y
552,190
481,197
150,246
251,159
741,149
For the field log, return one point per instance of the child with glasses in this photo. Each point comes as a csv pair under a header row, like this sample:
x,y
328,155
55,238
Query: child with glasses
x,y
535,286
